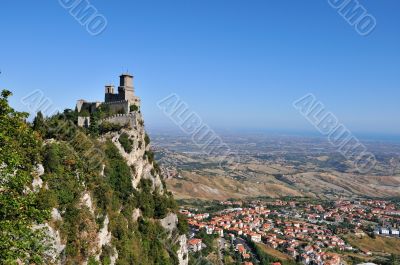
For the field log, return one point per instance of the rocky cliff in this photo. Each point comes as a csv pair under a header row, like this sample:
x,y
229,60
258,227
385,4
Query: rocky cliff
x,y
108,201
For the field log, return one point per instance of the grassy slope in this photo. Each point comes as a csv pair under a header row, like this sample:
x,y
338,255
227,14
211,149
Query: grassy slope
x,y
222,188
273,252
379,244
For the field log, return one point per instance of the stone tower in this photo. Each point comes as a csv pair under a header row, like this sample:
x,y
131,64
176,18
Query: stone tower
x,y
125,89
109,89
109,94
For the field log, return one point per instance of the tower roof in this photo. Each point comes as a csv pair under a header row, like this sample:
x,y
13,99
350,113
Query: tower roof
x,y
126,74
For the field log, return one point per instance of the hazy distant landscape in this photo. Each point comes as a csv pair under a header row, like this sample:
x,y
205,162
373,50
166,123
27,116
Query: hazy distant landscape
x,y
275,166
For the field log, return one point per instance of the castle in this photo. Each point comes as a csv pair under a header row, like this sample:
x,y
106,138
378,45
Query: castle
x,y
120,104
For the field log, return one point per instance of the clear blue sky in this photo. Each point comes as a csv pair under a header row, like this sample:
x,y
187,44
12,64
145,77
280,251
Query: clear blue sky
x,y
238,64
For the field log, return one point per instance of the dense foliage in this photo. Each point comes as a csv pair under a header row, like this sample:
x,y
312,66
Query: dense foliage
x,y
19,211
106,127
77,165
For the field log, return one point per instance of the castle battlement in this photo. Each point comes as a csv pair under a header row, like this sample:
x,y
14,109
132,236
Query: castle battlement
x,y
122,119
130,115
116,102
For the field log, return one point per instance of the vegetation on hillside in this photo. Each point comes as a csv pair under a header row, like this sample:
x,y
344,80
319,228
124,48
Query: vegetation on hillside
x,y
73,160
377,244
19,211
265,258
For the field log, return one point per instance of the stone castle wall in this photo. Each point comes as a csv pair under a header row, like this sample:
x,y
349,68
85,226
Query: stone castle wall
x,y
110,97
122,119
118,106
88,106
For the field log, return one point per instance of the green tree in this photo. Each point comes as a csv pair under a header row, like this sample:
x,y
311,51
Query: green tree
x,y
39,124
394,260
133,108
183,225
19,211
147,139
118,172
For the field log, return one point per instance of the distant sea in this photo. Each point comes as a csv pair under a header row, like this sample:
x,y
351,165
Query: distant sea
x,y
375,137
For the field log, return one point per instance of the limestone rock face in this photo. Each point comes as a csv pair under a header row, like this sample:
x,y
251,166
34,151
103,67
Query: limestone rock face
x,y
104,234
183,252
39,170
136,159
86,200
98,234
104,237
170,222
55,242
55,215
136,214
37,182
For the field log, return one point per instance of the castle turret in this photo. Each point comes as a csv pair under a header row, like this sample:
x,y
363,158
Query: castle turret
x,y
125,89
109,94
126,80
109,89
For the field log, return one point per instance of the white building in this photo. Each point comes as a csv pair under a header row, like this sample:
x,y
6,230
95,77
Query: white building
x,y
384,231
394,232
255,238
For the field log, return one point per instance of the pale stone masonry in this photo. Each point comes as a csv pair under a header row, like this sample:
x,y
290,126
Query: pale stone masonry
x,y
119,103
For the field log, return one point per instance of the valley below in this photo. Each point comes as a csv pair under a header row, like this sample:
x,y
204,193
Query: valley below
x,y
272,166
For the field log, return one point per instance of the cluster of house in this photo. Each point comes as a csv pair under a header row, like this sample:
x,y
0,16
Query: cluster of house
x,y
366,209
254,224
298,229
359,213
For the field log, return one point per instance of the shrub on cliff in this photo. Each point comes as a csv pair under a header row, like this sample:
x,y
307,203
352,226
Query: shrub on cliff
x,y
126,143
118,172
133,108
106,127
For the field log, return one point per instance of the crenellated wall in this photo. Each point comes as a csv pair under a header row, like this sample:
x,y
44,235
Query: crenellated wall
x,y
122,119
